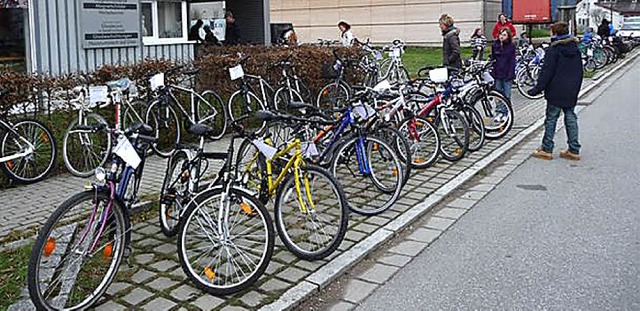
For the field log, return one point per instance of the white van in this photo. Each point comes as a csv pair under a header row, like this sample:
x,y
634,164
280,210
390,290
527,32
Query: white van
x,y
630,25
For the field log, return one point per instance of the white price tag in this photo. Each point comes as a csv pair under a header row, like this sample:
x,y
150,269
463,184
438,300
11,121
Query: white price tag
x,y
589,52
382,86
377,55
266,150
309,149
98,94
157,81
364,111
396,52
126,152
236,72
487,77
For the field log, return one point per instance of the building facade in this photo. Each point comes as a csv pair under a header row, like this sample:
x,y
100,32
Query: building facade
x,y
414,21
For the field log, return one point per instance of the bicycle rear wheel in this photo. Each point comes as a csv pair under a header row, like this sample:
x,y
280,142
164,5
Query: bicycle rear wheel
x,y
77,253
423,140
36,164
454,135
477,132
212,112
316,228
225,254
84,150
497,115
174,192
332,96
401,146
246,105
164,120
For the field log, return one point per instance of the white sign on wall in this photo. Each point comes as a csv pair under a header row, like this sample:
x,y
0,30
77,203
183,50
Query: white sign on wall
x,y
110,23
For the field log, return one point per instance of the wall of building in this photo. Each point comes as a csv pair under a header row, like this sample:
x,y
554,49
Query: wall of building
x,y
414,21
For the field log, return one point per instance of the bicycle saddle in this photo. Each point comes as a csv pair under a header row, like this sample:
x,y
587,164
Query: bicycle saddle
x,y
266,115
140,128
199,129
301,105
122,84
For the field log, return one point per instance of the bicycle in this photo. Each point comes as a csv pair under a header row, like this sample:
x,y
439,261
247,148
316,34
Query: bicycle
x,y
308,200
27,150
392,68
225,235
84,149
205,108
338,92
81,246
244,103
292,88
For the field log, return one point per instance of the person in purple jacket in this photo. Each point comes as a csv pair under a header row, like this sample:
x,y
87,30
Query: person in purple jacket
x,y
503,52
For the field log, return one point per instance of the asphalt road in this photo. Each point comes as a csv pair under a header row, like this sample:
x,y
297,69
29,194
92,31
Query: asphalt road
x,y
555,235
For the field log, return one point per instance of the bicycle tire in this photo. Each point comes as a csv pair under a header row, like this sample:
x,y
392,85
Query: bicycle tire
x,y
424,129
364,197
40,131
171,200
166,143
134,112
251,124
212,112
332,96
524,83
251,210
402,148
487,111
284,223
459,144
46,249
281,99
477,131
101,155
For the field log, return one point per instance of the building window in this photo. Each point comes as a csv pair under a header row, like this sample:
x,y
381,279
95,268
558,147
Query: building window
x,y
13,37
164,22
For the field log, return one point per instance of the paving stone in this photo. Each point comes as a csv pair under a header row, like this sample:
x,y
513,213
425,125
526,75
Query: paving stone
x,y
285,256
116,287
185,292
163,266
136,296
439,223
461,203
144,258
159,304
491,180
378,274
345,245
110,306
166,249
482,187
316,264
149,230
233,308
366,228
424,235
358,290
342,306
394,259
377,220
408,248
292,274
142,275
178,272
355,236
149,243
474,195
252,298
452,213
274,285
208,302
162,283
273,267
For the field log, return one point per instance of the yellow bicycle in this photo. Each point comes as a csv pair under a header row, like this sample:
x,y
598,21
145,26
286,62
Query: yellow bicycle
x,y
310,209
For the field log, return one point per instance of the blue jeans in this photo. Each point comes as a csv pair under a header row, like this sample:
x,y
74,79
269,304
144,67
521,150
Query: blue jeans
x,y
504,87
570,123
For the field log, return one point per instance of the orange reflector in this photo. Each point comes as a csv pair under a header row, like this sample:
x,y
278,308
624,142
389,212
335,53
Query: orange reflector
x,y
209,273
376,147
419,160
458,151
9,164
430,119
49,246
246,208
419,124
108,251
395,171
325,92
44,137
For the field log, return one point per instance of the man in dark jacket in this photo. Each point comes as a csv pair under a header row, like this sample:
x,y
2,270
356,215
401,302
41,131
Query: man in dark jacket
x,y
560,79
603,29
450,42
232,33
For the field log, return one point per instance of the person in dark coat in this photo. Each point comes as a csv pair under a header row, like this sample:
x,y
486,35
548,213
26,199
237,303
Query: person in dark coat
x,y
561,80
603,29
503,52
450,42
232,34
209,36
194,32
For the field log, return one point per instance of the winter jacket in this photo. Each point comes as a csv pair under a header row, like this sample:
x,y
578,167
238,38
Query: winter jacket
x,y
498,26
586,39
347,38
603,30
232,34
505,60
478,41
561,74
451,48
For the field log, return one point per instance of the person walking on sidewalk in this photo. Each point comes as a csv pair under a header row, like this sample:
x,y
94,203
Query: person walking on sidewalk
x,y
503,22
561,80
450,42
503,52
478,43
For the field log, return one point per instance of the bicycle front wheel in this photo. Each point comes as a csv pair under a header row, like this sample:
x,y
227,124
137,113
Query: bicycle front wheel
x,y
164,120
83,149
174,193
77,253
423,140
34,140
333,95
225,251
246,105
212,112
476,127
454,135
311,213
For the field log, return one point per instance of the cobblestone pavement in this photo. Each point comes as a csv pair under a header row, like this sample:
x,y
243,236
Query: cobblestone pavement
x,y
155,281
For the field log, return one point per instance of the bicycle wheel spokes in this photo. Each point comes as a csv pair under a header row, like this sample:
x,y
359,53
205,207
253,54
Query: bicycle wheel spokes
x,y
311,214
423,139
77,253
454,136
41,154
212,112
224,255
84,150
163,119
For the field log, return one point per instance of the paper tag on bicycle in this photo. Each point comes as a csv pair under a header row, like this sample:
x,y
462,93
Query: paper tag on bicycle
x,y
589,52
382,86
377,55
396,52
157,81
266,150
487,77
236,72
98,94
126,152
309,149
364,111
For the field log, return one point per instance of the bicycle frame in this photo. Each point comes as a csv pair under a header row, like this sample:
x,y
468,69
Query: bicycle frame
x,y
29,150
191,116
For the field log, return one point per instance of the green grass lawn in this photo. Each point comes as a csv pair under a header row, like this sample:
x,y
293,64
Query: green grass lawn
x,y
13,274
419,57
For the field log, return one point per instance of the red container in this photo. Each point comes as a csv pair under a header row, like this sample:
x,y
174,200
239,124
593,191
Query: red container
x,y
531,11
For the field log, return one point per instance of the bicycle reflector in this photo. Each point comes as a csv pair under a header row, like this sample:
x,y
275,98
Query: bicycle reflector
x,y
246,208
49,246
108,251
209,273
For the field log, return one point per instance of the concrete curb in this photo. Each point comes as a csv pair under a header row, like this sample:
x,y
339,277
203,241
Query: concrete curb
x,y
325,275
